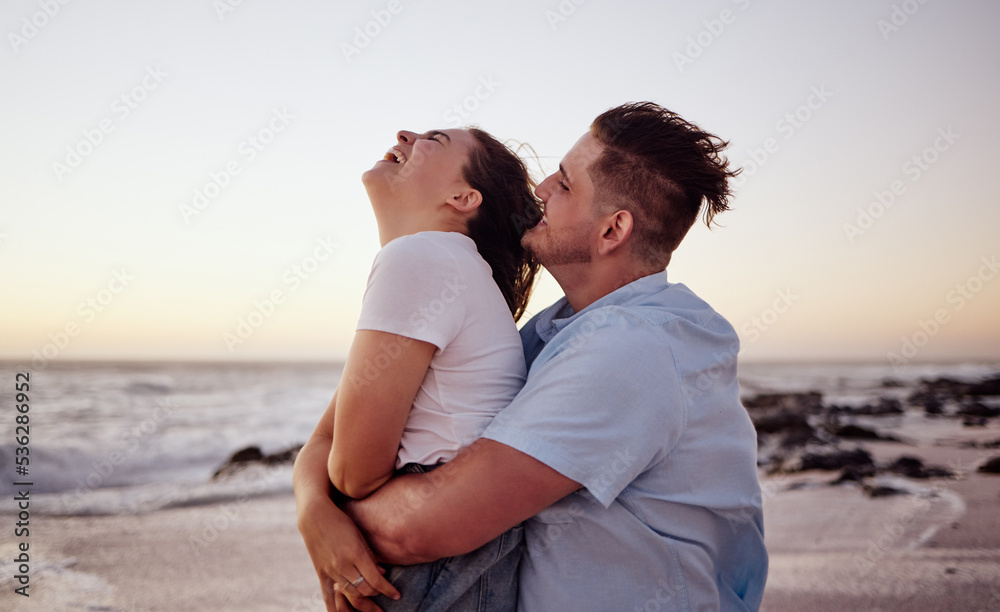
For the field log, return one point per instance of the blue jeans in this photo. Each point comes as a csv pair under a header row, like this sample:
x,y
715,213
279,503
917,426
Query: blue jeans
x,y
484,580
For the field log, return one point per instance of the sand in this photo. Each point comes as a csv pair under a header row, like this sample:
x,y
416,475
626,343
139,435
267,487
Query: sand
x,y
935,549
220,558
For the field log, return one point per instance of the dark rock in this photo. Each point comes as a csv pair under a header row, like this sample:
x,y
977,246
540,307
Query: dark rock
x,y
885,406
975,421
978,409
891,383
245,455
931,401
992,466
932,393
888,405
989,386
856,473
808,402
907,466
819,458
948,386
778,421
793,428
286,456
252,454
932,405
882,491
856,432
797,438
913,467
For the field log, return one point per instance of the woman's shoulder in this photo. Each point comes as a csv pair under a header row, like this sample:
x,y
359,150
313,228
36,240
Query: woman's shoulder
x,y
437,247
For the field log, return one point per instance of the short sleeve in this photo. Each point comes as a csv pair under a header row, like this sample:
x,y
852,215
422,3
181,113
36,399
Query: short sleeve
x,y
603,401
414,290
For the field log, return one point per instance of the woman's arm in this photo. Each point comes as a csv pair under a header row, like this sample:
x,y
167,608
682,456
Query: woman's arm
x,y
381,378
338,551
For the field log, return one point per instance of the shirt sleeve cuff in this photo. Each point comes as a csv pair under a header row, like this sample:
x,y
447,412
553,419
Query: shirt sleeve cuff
x,y
548,454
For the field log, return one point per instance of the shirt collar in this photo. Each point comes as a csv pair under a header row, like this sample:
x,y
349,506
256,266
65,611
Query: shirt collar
x,y
561,314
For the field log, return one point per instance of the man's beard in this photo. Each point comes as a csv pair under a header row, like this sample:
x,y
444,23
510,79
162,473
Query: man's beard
x,y
551,250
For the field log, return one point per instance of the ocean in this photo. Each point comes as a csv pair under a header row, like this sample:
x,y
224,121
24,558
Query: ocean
x,y
124,438
132,438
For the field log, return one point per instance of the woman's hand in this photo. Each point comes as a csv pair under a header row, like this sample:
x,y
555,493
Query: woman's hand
x,y
340,556
338,551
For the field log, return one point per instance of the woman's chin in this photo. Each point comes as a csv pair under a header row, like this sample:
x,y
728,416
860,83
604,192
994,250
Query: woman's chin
x,y
375,180
369,174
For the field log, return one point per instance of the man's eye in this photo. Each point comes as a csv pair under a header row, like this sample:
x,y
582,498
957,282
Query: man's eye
x,y
563,185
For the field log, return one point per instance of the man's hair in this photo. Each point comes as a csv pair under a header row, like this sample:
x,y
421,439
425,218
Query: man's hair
x,y
660,168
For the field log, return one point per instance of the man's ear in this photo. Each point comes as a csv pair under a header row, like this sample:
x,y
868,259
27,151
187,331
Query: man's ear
x,y
465,201
616,231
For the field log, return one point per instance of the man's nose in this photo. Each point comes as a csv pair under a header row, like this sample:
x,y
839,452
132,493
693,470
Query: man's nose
x,y
543,191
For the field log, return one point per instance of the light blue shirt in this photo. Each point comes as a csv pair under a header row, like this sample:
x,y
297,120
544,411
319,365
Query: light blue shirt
x,y
636,398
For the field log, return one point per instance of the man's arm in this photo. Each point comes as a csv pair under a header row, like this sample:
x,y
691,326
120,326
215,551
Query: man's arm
x,y
487,489
492,486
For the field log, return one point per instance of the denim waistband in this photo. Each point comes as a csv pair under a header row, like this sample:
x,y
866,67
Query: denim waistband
x,y
417,468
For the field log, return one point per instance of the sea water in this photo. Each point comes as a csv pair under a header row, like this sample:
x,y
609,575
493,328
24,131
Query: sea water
x,y
124,438
111,438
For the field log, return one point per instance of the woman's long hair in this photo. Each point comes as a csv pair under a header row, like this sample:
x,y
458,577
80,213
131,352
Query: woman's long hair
x,y
509,207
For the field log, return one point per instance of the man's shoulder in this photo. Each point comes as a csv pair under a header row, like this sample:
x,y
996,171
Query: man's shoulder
x,y
672,310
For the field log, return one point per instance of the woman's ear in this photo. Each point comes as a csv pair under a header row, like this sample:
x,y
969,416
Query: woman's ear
x,y
465,201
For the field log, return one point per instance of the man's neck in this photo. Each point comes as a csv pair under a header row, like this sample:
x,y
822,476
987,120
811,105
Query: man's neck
x,y
585,283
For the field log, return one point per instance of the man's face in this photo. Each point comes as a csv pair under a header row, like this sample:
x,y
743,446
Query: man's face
x,y
567,232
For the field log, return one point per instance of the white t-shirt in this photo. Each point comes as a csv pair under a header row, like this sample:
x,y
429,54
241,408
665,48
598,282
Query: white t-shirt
x,y
435,287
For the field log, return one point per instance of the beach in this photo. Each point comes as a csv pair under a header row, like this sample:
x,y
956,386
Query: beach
x,y
884,538
815,537
937,548
162,562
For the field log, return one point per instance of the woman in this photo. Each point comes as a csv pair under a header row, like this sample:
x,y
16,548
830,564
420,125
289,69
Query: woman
x,y
435,357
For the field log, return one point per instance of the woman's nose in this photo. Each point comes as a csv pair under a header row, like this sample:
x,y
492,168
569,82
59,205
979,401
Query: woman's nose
x,y
406,137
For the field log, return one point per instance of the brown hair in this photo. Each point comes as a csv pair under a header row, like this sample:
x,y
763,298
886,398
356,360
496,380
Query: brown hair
x,y
660,168
508,208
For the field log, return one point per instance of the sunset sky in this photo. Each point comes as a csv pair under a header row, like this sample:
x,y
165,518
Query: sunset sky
x,y
170,169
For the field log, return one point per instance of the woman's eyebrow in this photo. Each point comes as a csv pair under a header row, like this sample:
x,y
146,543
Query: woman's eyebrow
x,y
438,133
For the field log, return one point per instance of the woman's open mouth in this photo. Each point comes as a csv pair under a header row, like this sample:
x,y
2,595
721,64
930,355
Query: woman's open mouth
x,y
395,155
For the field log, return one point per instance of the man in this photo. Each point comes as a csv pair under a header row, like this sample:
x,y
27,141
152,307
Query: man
x,y
627,453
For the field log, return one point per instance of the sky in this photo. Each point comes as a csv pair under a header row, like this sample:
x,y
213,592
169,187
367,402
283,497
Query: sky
x,y
181,180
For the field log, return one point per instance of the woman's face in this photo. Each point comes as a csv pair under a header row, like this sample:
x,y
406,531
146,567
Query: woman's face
x,y
421,169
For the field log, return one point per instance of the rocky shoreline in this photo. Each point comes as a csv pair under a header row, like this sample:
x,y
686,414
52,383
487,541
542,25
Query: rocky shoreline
x,y
798,432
